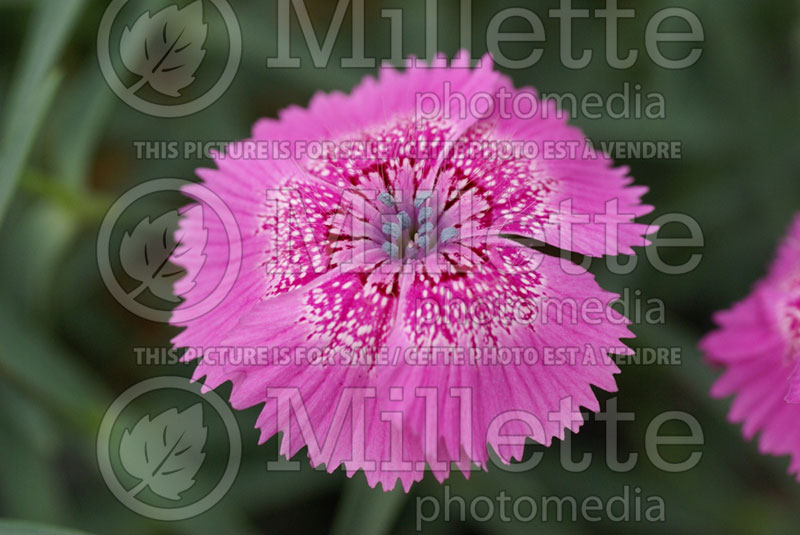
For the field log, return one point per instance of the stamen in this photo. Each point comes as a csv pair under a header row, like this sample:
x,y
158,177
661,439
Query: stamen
x,y
392,229
387,199
427,227
422,196
405,220
391,249
424,214
448,234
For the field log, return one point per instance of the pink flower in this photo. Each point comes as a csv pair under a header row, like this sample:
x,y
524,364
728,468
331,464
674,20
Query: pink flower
x,y
758,343
403,257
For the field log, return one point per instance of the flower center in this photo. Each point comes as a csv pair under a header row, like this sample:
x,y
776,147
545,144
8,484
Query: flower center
x,y
411,230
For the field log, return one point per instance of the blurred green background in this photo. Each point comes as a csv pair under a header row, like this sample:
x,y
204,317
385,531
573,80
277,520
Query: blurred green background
x,y
67,346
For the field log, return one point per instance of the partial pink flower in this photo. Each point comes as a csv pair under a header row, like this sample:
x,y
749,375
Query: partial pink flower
x,y
758,343
411,260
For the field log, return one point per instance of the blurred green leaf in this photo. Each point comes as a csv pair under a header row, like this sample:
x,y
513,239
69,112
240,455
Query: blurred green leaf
x,y
78,121
90,207
29,483
32,361
366,510
19,137
21,527
35,85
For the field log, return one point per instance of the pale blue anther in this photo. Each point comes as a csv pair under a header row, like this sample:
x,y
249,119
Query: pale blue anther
x,y
422,241
424,214
391,249
386,198
448,234
426,228
422,196
392,229
405,220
